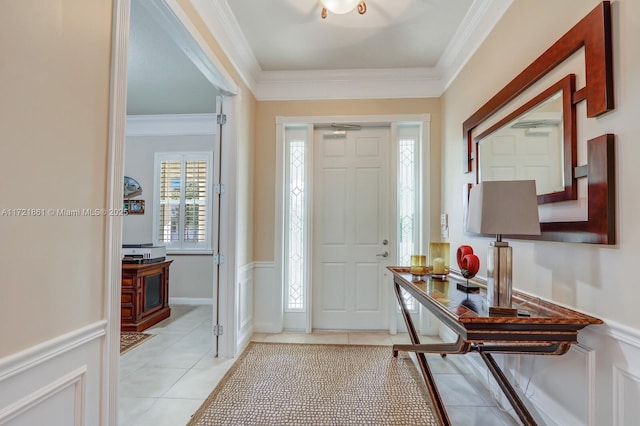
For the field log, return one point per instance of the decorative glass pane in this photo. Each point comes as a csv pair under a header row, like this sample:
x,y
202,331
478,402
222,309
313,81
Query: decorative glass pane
x,y
406,199
407,179
296,215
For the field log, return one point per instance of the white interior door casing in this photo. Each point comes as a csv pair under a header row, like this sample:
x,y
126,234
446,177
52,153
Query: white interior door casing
x,y
351,223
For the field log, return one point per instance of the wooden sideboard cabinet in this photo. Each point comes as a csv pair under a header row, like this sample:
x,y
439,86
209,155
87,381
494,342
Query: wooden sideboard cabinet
x,y
145,295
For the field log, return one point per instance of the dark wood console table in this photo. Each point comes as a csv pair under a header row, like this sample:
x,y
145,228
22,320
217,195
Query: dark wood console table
x,y
145,295
541,328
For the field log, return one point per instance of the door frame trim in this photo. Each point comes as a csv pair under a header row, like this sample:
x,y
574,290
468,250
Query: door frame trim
x,y
115,174
392,120
113,231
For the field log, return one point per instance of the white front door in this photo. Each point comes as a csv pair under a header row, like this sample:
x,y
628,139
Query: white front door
x,y
351,217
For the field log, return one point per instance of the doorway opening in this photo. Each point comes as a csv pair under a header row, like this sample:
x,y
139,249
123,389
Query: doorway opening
x,y
170,28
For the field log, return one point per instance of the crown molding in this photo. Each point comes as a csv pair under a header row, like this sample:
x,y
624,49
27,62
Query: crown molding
x,y
387,119
217,16
184,33
348,84
475,27
354,83
171,125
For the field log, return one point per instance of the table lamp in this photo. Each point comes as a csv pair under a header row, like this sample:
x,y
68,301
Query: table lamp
x,y
502,207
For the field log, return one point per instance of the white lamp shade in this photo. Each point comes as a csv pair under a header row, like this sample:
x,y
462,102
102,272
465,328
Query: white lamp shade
x,y
504,207
340,6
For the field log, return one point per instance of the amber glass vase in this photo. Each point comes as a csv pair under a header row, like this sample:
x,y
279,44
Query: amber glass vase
x,y
418,265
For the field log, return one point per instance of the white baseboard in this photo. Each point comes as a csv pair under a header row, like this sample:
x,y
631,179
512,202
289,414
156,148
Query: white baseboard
x,y
190,301
268,265
244,338
58,379
266,327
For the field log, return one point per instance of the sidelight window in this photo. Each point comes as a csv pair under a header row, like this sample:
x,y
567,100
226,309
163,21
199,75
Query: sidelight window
x,y
296,218
408,202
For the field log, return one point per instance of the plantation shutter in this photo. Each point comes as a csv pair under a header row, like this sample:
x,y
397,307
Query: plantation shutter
x,y
183,201
170,195
195,201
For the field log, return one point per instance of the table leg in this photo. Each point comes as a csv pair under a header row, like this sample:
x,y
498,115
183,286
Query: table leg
x,y
508,390
440,411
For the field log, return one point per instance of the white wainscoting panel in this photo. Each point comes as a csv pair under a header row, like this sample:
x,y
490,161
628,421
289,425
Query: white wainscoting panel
x,y
267,296
245,306
562,386
56,382
626,394
596,383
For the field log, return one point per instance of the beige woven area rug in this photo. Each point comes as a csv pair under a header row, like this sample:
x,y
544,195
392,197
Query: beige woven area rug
x,y
131,339
297,384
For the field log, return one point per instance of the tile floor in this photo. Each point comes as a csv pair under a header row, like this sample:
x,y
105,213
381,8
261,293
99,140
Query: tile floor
x,y
165,379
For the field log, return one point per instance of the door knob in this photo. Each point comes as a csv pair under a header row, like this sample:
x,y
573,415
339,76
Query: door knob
x,y
383,254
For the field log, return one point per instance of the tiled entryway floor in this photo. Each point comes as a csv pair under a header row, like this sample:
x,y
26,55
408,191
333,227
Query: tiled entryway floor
x,y
165,379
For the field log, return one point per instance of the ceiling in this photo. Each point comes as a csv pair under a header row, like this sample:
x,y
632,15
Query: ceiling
x,y
283,49
161,79
291,34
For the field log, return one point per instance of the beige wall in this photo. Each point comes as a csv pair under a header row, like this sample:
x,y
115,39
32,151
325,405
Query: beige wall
x,y
54,111
265,151
191,276
245,146
597,279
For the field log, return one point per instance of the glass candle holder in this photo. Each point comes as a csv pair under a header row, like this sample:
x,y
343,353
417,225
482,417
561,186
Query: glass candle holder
x,y
439,259
418,265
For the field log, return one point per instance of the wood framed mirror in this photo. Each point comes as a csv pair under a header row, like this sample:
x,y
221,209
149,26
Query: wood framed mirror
x,y
593,33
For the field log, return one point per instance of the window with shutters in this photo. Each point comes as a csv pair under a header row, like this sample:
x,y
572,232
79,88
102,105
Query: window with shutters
x,y
182,204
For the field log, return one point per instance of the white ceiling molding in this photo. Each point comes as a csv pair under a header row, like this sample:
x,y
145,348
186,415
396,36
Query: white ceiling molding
x,y
475,27
171,125
193,44
220,21
348,84
355,83
356,119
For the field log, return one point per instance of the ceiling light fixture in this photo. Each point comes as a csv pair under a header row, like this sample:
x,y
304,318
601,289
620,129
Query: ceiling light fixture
x,y
342,6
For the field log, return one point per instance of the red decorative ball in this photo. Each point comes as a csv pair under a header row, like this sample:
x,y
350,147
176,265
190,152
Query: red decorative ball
x,y
462,252
471,263
468,262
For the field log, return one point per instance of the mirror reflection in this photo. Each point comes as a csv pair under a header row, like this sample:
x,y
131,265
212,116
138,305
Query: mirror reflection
x,y
536,141
527,147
